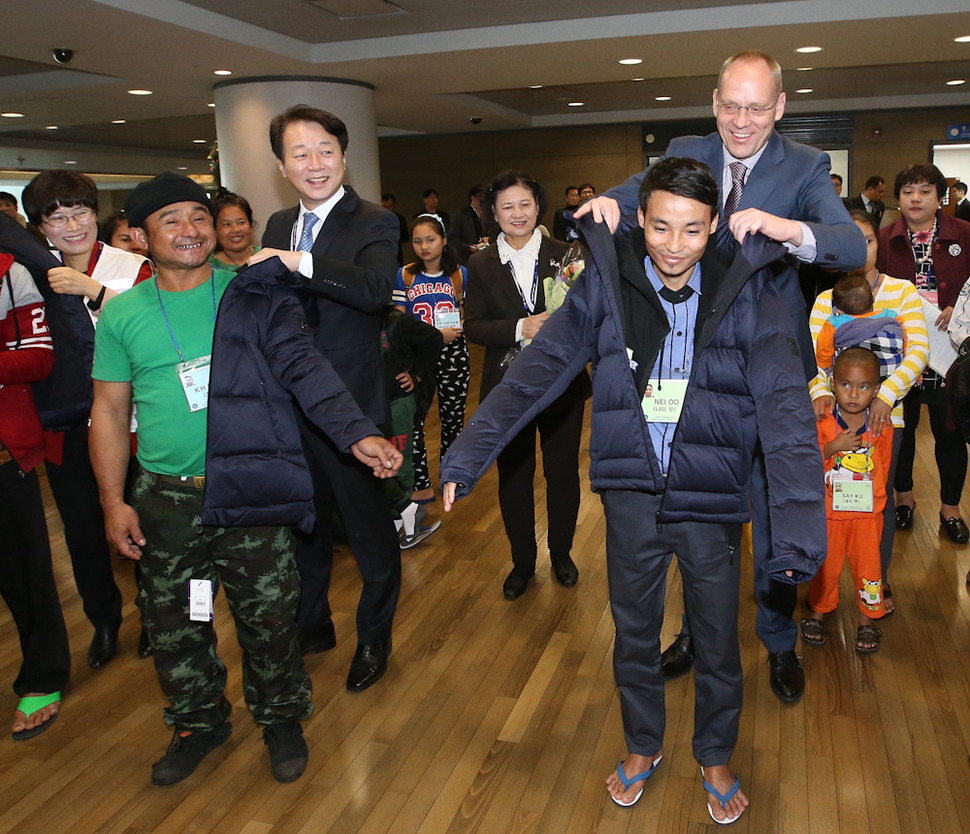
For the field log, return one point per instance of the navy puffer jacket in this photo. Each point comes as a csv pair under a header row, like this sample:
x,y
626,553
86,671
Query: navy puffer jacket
x,y
747,386
263,357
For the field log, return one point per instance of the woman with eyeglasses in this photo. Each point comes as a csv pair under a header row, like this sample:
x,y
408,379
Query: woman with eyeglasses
x,y
505,307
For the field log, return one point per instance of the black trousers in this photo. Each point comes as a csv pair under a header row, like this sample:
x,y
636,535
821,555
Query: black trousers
x,y
637,557
559,427
76,494
950,447
366,514
27,584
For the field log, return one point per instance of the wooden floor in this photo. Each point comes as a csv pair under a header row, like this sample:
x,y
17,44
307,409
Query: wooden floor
x,y
503,717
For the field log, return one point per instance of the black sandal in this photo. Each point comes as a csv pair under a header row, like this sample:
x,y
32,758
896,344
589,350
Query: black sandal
x,y
867,634
813,631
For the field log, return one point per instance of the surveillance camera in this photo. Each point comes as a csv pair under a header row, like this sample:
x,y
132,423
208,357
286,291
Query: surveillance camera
x,y
476,120
62,56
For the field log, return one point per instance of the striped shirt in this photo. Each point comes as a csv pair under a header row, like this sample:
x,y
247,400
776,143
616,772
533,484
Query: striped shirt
x,y
893,294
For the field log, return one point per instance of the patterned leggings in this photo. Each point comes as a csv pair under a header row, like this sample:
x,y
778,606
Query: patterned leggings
x,y
452,377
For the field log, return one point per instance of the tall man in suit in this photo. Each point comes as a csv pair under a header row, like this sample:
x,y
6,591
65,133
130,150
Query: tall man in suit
x,y
783,189
962,209
870,200
342,251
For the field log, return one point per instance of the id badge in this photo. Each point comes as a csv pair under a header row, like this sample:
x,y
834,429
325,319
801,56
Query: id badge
x,y
200,600
932,296
663,400
852,496
447,318
194,379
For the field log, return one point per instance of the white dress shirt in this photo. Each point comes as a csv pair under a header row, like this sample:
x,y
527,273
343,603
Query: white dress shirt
x,y
323,212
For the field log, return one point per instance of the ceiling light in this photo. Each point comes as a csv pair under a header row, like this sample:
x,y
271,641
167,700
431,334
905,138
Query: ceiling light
x,y
804,69
211,104
182,168
806,50
535,87
222,72
641,78
663,98
962,39
12,115
631,61
956,82
117,121
198,141
805,90
70,162
51,127
139,92
576,103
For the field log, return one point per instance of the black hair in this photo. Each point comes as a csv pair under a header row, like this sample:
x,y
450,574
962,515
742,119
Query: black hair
x,y
475,190
958,185
509,178
6,195
57,187
860,356
108,227
874,182
920,173
584,185
838,177
428,192
852,294
388,196
225,198
863,216
683,177
449,261
305,113
570,188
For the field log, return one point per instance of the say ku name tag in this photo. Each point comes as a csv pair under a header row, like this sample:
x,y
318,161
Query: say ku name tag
x,y
852,496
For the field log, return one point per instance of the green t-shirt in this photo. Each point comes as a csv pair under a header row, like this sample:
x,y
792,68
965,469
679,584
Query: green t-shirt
x,y
133,344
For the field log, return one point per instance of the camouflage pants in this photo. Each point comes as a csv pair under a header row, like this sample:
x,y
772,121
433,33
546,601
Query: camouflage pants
x,y
257,568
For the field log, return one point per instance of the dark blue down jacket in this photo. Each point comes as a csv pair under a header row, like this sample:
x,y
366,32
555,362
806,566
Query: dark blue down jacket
x,y
747,386
263,357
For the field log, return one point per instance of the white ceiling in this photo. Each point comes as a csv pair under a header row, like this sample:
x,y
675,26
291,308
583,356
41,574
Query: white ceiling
x,y
437,63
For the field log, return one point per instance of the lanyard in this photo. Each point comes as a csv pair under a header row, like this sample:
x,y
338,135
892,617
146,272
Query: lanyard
x,y
535,287
212,282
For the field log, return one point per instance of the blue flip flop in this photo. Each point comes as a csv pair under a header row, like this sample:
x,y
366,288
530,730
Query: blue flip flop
x,y
34,703
723,798
629,782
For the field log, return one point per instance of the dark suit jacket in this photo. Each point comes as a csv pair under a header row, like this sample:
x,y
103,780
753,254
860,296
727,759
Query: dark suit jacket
x,y
466,227
878,208
791,180
354,264
493,306
962,210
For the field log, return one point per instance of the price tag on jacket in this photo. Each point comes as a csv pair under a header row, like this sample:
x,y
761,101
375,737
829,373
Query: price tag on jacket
x,y
200,600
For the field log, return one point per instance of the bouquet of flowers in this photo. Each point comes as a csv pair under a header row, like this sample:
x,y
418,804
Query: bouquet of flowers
x,y
572,264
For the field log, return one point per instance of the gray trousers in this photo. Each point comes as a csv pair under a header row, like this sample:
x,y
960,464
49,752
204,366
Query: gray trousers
x,y
637,557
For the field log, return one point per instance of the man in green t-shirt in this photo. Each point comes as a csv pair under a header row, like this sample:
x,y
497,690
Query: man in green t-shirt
x,y
154,349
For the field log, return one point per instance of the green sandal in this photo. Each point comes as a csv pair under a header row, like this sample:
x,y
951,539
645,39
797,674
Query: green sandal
x,y
32,704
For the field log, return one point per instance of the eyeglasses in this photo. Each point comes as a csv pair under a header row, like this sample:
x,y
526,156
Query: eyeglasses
x,y
59,221
754,110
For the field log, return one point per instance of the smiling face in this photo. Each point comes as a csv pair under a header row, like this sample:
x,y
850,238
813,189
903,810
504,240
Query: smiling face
x,y
75,238
179,237
855,385
234,232
747,83
517,214
312,162
918,203
676,230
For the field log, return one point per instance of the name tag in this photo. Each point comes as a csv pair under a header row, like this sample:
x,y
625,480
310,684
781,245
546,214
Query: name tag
x,y
194,378
852,496
932,296
447,318
663,400
200,600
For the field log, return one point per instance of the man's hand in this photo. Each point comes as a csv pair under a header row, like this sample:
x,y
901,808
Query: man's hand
x,y
123,530
604,209
291,260
879,412
532,324
751,220
448,495
823,406
67,281
943,321
379,454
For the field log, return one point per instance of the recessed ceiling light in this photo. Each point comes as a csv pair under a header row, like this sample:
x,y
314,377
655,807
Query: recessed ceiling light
x,y
631,61
806,50
962,39
956,82
51,127
663,98
198,141
805,90
535,87
70,162
117,121
139,92
222,72
576,103
641,78
182,168
211,104
12,115
804,69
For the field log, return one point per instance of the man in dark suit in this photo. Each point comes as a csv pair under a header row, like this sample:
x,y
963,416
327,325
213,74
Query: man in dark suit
x,y
783,189
870,200
962,209
342,251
